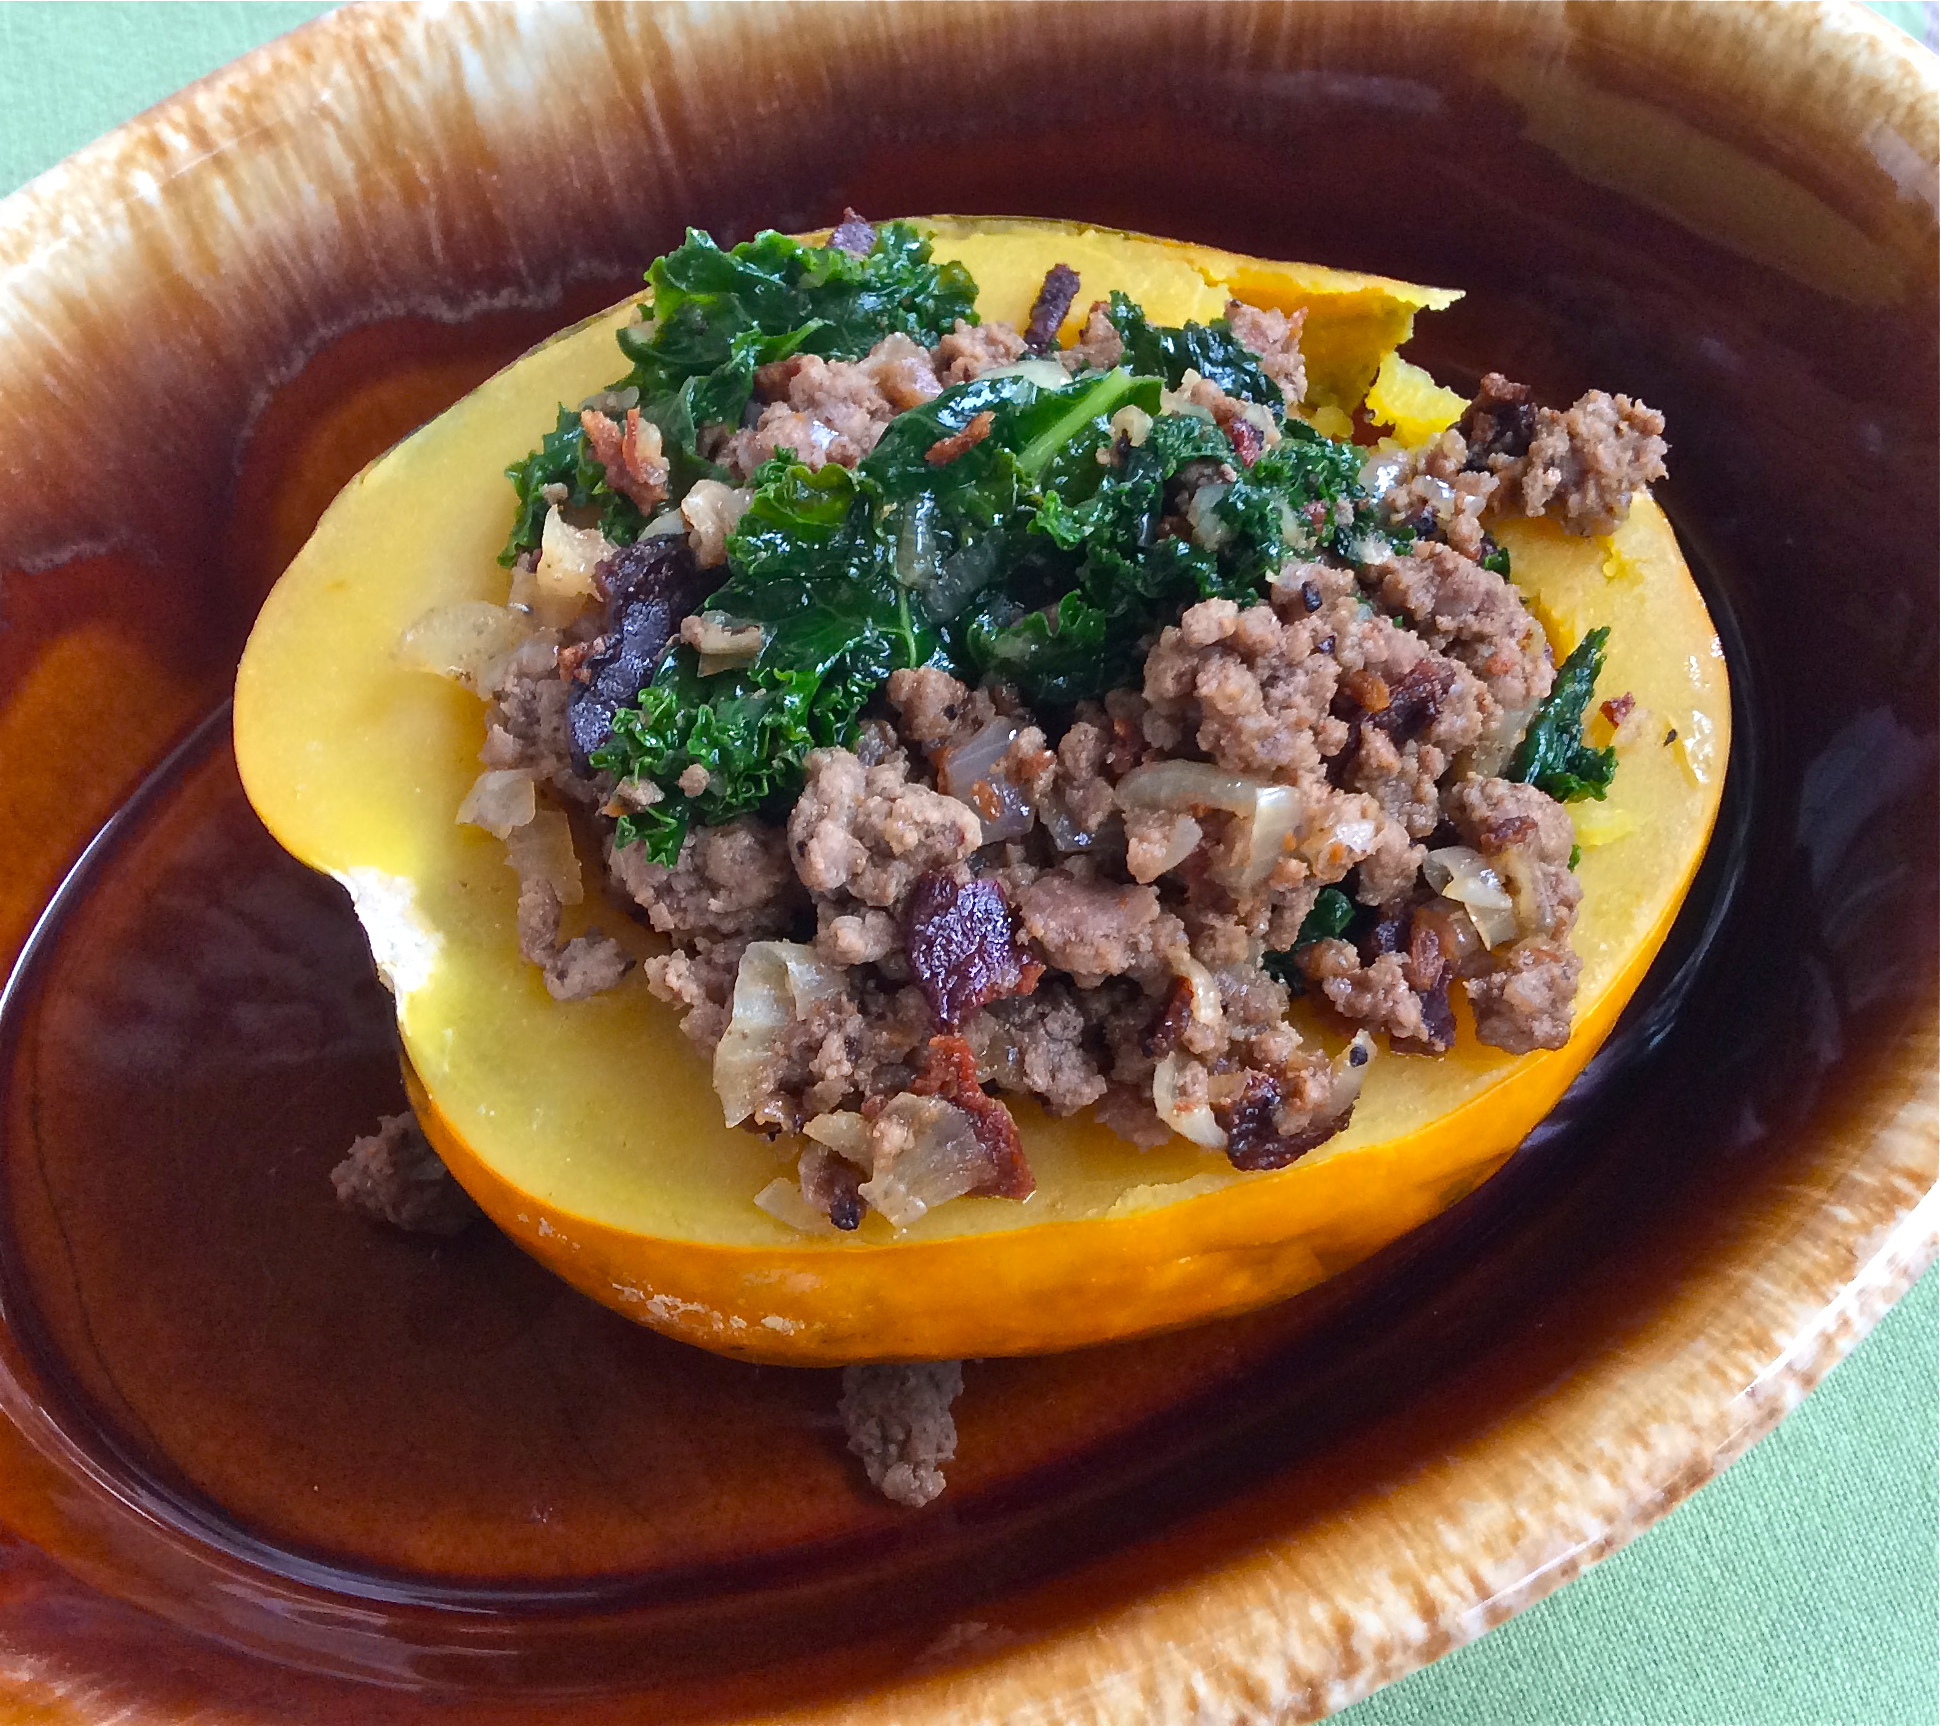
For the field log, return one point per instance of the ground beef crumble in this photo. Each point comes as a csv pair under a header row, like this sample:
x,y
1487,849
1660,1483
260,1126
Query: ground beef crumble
x,y
899,1423
1089,923
394,1176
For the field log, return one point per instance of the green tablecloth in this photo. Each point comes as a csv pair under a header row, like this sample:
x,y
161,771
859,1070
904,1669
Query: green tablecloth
x,y
1800,1589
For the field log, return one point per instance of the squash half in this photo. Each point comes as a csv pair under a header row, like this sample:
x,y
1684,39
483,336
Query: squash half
x,y
590,1132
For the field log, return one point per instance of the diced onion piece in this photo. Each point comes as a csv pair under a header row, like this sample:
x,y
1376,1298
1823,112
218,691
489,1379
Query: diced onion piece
x,y
782,1199
1272,812
777,982
542,850
468,642
500,800
1047,374
563,580
845,1133
1209,532
1132,423
970,774
927,1152
716,635
712,511
1461,874
1207,1006
1189,1114
1350,1074
666,522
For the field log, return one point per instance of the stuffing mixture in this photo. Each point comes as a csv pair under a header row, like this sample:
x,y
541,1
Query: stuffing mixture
x,y
978,718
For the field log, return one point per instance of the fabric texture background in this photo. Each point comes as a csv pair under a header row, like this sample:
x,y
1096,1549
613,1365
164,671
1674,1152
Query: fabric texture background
x,y
1800,1589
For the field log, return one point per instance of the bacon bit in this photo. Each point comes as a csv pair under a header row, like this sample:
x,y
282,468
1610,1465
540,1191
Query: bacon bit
x,y
1248,441
1049,308
1253,1137
1427,963
962,946
772,380
1620,709
946,450
1368,688
852,235
573,657
632,458
950,1072
1163,1035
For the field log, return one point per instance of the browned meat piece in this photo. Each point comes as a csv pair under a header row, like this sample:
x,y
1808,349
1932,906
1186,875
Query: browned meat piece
x,y
869,832
1099,346
1049,308
1037,1044
831,410
853,235
1585,463
527,724
950,1074
635,466
394,1176
648,587
928,703
1090,928
729,880
1248,426
946,449
898,1422
970,350
1275,338
1527,1001
962,948
1256,695
1474,616
588,964
1251,1120
1499,423
1377,995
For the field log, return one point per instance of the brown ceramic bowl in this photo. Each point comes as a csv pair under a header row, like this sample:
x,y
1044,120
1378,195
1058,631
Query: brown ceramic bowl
x,y
275,1460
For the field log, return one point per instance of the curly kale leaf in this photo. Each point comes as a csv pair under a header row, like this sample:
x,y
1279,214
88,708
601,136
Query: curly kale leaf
x,y
1211,350
1553,756
810,562
1114,540
562,459
718,316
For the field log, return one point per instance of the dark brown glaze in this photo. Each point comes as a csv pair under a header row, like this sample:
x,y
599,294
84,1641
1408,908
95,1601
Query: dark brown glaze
x,y
356,1453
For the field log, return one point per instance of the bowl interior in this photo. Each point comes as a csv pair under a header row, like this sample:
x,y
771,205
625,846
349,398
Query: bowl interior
x,y
356,1456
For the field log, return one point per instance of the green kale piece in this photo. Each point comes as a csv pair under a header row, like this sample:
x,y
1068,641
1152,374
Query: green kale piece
x,y
1329,919
1553,756
562,459
811,563
718,316
1211,350
1497,559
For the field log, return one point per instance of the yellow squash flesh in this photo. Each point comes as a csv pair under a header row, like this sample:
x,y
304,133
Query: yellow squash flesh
x,y
590,1131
